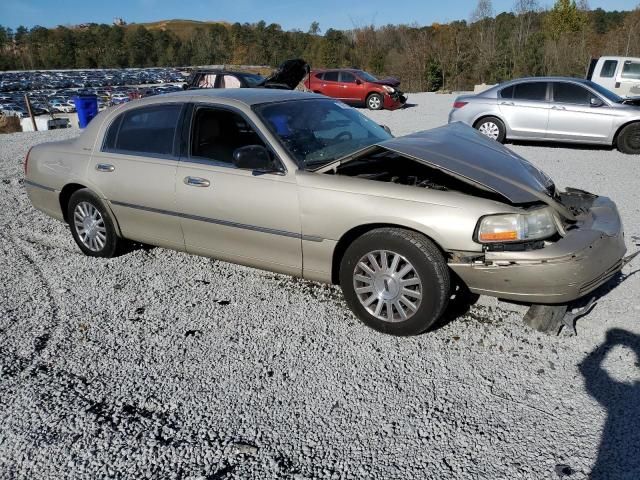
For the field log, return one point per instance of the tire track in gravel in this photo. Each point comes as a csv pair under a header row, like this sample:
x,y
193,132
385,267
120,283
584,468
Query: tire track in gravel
x,y
40,343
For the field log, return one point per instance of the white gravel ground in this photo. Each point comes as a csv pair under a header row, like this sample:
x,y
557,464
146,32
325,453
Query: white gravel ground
x,y
158,364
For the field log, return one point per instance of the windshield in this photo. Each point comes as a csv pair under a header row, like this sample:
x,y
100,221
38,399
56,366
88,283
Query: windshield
x,y
366,76
608,94
253,80
319,131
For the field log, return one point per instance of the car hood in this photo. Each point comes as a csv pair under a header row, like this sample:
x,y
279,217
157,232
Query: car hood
x,y
466,154
390,81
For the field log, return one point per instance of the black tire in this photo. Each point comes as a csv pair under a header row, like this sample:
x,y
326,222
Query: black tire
x,y
375,101
429,266
628,140
110,246
489,124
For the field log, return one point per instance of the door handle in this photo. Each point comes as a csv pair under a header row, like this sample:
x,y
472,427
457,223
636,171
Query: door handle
x,y
557,108
105,167
197,182
507,103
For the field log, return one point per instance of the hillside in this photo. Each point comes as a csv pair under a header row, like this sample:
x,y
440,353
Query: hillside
x,y
182,28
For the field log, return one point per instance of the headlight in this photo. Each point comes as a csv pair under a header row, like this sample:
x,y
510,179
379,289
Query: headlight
x,y
516,227
389,89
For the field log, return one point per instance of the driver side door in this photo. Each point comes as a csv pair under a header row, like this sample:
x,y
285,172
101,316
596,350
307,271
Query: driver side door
x,y
233,214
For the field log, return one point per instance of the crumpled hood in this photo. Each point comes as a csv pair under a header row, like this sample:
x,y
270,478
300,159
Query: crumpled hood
x,y
466,154
390,81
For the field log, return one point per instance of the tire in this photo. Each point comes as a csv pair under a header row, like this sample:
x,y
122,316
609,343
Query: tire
x,y
492,128
628,140
426,274
375,101
99,238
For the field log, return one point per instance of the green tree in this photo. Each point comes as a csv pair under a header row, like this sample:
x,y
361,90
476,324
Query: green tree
x,y
564,17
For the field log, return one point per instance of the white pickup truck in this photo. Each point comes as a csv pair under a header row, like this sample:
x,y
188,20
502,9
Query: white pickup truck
x,y
618,74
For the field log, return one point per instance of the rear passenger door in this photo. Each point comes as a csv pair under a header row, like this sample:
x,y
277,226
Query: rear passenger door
x,y
330,84
135,169
525,108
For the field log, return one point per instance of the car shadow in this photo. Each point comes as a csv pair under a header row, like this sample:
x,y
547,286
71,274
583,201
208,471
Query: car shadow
x,y
459,305
618,456
573,146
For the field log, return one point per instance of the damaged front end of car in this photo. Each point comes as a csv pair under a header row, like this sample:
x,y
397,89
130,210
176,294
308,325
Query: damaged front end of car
x,y
555,248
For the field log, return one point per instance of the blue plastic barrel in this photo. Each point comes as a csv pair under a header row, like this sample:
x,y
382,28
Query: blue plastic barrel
x,y
87,107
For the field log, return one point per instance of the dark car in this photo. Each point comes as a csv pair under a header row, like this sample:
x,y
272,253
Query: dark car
x,y
357,87
217,78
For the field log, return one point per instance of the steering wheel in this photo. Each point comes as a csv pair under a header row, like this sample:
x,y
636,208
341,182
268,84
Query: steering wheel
x,y
344,135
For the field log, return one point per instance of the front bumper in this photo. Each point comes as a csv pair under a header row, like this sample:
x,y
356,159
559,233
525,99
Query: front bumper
x,y
587,257
393,101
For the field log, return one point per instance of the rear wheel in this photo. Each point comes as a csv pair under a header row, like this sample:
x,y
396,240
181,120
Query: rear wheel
x,y
628,140
91,225
493,128
375,101
396,281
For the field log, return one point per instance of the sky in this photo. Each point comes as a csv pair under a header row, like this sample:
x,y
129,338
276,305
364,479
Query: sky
x,y
290,14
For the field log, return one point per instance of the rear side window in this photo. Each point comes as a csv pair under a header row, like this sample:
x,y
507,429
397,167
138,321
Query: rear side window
x,y
331,76
507,92
146,130
531,91
631,70
608,69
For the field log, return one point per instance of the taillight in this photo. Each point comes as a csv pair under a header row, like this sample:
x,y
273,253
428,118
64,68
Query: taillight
x,y
26,162
459,104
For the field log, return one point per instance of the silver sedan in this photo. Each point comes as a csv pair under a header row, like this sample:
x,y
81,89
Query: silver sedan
x,y
552,109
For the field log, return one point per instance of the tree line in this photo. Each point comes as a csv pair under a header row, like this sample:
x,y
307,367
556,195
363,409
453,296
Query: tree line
x,y
526,41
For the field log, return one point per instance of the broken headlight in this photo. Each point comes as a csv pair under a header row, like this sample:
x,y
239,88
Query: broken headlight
x,y
516,227
389,89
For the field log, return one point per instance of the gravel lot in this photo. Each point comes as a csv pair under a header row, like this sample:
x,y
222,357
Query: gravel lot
x,y
158,364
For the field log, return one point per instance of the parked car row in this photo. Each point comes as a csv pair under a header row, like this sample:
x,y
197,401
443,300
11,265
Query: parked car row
x,y
39,80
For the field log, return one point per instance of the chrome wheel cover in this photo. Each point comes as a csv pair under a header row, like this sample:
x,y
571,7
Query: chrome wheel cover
x,y
490,130
374,102
387,285
90,226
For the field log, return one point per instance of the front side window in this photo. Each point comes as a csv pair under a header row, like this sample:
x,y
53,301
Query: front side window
x,y
331,76
217,133
535,91
631,70
146,130
571,93
609,68
317,132
347,77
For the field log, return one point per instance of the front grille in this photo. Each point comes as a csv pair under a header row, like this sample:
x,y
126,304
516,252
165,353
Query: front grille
x,y
600,279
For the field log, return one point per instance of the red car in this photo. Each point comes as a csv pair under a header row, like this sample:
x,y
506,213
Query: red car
x,y
357,87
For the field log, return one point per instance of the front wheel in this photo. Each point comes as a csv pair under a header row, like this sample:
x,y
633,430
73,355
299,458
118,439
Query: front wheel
x,y
375,101
91,225
396,281
629,139
493,128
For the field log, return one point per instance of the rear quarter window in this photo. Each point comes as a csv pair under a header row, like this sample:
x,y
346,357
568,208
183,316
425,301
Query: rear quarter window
x,y
507,92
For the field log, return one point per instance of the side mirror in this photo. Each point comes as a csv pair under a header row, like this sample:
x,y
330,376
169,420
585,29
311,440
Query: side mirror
x,y
386,129
596,102
254,157
358,81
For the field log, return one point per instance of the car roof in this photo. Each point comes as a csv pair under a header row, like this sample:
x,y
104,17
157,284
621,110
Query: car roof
x,y
248,96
